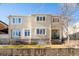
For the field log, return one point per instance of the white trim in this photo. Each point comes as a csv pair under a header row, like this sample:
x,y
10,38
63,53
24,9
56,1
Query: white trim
x,y
40,28
50,29
40,16
16,21
27,29
22,32
13,33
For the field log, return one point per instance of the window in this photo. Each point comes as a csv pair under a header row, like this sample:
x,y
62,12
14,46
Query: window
x,y
40,18
37,31
43,18
43,31
27,32
40,31
37,18
16,33
17,20
13,20
55,19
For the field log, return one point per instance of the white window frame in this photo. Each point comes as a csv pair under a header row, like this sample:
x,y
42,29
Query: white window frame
x,y
14,31
27,29
56,19
40,28
16,20
39,19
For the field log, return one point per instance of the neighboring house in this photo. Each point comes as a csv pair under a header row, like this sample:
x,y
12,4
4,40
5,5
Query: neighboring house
x,y
3,28
4,38
74,36
40,28
74,31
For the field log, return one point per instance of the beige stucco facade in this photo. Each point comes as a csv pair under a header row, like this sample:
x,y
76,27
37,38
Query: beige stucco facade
x,y
31,23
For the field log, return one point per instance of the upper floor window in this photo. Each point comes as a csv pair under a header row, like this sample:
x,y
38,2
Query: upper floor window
x,y
19,19
55,19
16,20
13,20
43,18
40,18
41,31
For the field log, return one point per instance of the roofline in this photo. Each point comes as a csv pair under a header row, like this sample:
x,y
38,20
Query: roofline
x,y
3,22
33,14
18,15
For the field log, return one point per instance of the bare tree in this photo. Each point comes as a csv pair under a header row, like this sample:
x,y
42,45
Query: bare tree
x,y
67,11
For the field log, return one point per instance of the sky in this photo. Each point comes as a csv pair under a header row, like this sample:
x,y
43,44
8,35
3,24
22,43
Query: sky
x,y
7,9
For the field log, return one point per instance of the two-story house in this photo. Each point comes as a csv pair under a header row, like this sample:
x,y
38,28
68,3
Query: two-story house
x,y
40,28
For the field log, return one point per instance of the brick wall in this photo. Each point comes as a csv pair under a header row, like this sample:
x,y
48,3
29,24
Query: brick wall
x,y
40,52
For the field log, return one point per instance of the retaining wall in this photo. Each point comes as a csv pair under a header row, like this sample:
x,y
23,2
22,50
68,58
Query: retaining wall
x,y
40,52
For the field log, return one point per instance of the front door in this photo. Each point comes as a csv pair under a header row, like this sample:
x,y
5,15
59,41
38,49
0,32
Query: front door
x,y
55,34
